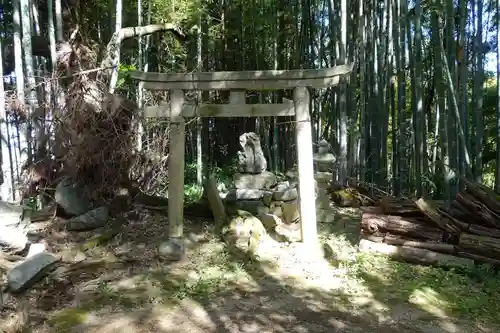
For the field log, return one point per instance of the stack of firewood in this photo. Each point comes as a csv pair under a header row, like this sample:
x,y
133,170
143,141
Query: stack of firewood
x,y
426,232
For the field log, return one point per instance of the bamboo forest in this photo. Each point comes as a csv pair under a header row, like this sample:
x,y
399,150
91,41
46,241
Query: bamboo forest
x,y
298,166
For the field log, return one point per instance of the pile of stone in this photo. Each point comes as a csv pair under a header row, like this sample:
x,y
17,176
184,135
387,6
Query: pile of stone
x,y
259,192
15,220
20,257
23,252
75,201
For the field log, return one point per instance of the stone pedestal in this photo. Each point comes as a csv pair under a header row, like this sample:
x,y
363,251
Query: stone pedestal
x,y
324,164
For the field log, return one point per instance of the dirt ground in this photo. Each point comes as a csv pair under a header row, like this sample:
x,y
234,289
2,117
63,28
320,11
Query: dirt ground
x,y
284,288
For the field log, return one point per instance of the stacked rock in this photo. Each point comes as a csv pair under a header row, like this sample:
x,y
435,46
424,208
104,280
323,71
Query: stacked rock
x,y
324,163
252,183
259,192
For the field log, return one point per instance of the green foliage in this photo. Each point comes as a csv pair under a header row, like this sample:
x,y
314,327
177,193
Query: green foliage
x,y
124,75
190,173
194,192
223,175
184,12
489,174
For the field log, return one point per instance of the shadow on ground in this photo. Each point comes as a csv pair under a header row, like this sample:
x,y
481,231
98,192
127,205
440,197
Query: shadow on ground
x,y
222,289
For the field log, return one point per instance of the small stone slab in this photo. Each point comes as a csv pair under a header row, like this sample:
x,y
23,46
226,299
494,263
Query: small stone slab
x,y
289,232
173,249
286,195
246,232
94,219
269,221
264,180
30,271
244,194
290,211
282,186
267,198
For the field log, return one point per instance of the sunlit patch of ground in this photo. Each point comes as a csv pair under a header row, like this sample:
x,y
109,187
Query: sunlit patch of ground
x,y
284,288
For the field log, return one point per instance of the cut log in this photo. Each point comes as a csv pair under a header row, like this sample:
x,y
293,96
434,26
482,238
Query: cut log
x,y
199,208
484,195
398,240
371,210
434,214
459,212
410,227
476,229
483,215
398,206
403,206
482,245
478,258
433,246
451,218
414,255
378,238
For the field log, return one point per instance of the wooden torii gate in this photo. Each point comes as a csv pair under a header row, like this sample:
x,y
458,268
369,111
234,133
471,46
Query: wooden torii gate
x,y
238,82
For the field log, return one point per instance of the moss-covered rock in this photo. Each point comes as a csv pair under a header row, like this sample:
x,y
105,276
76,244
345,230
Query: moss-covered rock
x,y
346,197
245,231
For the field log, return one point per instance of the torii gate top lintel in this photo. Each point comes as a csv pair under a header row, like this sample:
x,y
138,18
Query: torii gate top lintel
x,y
251,80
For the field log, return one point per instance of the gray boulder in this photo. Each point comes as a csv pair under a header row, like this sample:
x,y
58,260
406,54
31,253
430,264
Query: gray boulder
x,y
174,249
72,197
91,220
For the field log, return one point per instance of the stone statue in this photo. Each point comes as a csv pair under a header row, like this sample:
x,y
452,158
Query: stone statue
x,y
251,159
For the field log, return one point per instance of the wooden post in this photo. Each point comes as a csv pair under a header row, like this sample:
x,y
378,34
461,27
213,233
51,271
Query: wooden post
x,y
237,97
176,166
307,195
